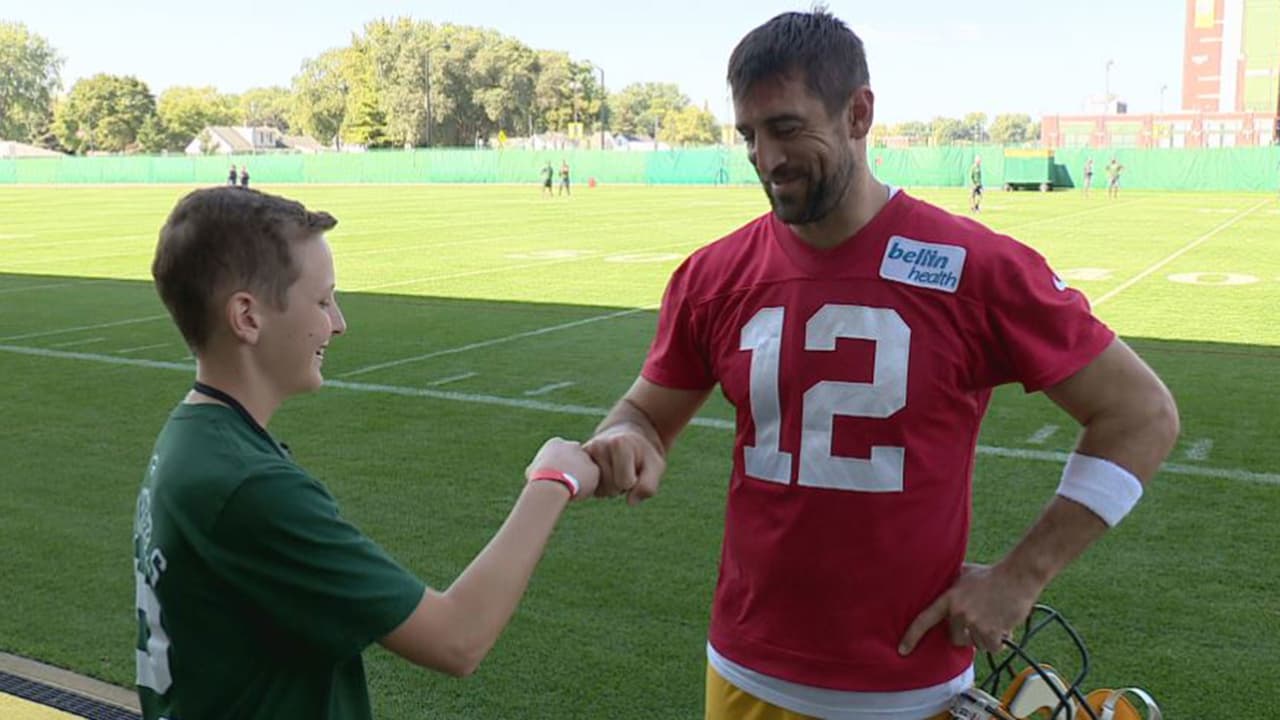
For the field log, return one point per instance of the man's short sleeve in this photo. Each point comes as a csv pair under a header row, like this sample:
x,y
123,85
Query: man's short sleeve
x,y
281,541
678,357
1044,329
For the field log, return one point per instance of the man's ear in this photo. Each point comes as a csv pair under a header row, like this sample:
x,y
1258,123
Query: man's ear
x,y
861,112
244,317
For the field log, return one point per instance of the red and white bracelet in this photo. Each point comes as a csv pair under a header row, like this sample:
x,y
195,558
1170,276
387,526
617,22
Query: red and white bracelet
x,y
564,478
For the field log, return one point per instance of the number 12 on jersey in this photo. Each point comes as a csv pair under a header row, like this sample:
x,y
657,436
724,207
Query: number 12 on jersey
x,y
881,398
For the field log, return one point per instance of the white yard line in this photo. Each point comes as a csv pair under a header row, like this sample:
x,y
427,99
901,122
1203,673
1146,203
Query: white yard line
x,y
1056,218
140,252
494,341
81,241
1043,434
73,343
538,405
452,379
1177,254
586,255
46,286
140,348
548,388
63,331
1199,450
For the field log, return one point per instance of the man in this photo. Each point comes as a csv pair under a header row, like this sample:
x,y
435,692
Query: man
x,y
244,176
548,174
975,184
1114,168
1088,176
255,597
564,177
858,332
231,176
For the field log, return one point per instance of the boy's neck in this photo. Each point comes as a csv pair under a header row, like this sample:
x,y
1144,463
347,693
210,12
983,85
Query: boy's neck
x,y
245,384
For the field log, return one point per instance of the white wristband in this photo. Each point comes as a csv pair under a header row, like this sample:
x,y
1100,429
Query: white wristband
x,y
1104,487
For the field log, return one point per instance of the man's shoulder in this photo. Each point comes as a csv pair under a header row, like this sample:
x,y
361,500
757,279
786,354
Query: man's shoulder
x,y
938,233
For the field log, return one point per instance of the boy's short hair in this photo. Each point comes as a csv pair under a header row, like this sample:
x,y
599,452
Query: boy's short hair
x,y
222,240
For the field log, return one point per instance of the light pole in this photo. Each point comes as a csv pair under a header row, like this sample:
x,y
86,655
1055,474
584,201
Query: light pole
x,y
604,97
1162,89
1106,93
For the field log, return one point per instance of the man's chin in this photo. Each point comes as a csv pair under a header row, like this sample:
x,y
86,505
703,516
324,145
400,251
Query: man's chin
x,y
789,213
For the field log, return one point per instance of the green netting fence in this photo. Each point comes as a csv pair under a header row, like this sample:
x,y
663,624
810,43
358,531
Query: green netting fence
x,y
1237,169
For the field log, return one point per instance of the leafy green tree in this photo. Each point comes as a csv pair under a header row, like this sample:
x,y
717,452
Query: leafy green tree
x,y
946,131
28,83
320,92
640,108
265,107
104,113
689,126
1011,129
183,112
975,127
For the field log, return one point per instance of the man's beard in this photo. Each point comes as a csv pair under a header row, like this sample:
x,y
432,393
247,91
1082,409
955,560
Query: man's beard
x,y
820,198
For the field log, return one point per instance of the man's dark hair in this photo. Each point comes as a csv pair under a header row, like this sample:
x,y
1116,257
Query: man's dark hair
x,y
816,43
223,240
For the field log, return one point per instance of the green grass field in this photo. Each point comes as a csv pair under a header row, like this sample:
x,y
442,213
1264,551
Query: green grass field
x,y
483,319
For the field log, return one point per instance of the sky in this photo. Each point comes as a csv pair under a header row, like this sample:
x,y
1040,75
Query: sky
x,y
927,58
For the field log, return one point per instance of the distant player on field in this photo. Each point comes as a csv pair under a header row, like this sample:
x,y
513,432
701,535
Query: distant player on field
x,y
1114,168
975,184
548,175
564,178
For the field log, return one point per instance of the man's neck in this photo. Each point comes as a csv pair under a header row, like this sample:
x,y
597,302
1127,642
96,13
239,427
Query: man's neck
x,y
244,384
866,197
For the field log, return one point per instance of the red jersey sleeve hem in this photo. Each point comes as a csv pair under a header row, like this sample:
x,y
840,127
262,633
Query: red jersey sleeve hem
x,y
658,376
1101,340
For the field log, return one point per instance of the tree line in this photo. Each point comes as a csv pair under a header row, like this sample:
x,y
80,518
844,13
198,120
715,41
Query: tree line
x,y
973,128
399,83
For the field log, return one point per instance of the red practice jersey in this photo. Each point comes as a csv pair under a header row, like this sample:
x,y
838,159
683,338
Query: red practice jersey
x,y
860,376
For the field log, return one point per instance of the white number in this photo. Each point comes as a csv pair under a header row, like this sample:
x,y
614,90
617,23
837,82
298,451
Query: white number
x,y
763,337
153,663
885,395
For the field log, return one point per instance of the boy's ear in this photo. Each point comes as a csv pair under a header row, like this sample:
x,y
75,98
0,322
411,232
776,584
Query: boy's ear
x,y
244,317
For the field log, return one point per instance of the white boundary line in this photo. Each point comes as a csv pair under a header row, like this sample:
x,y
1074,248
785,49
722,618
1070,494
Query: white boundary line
x,y
525,404
1178,253
64,331
494,341
586,255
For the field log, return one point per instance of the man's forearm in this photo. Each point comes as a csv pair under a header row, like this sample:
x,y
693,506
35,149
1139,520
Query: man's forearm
x,y
1136,442
627,413
1062,532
